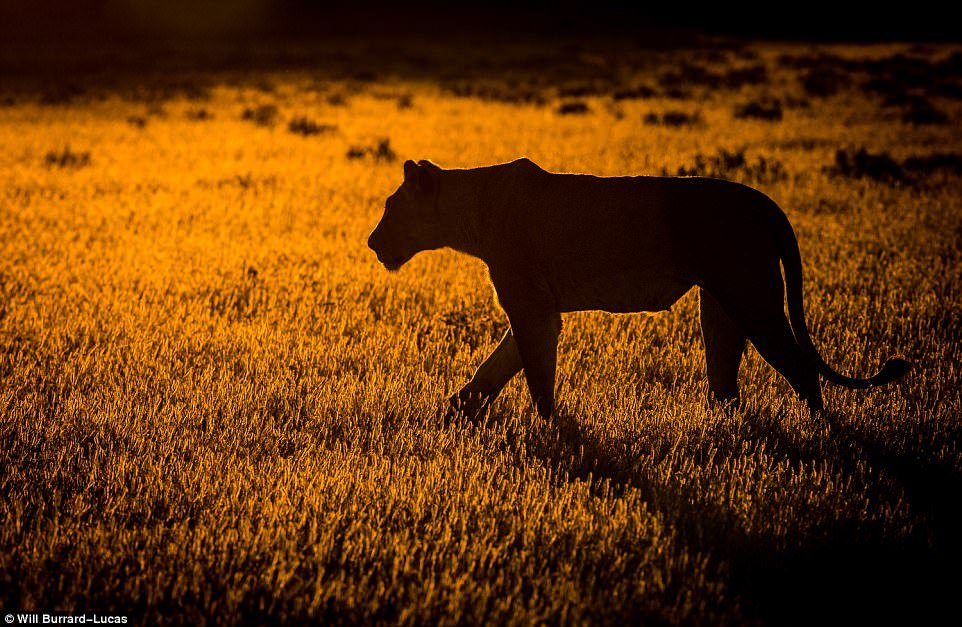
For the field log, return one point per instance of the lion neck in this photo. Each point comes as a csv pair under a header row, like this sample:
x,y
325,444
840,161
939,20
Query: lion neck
x,y
460,211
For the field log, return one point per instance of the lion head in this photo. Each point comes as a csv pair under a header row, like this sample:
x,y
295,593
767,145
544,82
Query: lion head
x,y
410,223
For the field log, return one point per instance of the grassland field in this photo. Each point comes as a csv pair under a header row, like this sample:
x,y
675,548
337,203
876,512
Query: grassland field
x,y
216,406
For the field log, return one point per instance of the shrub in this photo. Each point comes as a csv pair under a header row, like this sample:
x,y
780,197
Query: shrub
x,y
634,93
574,107
863,164
929,164
823,82
382,151
674,118
765,109
750,75
199,115
264,115
733,165
580,90
307,127
67,159
924,113
883,167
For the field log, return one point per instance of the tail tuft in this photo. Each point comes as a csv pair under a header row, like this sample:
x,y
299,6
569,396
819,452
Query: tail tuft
x,y
892,370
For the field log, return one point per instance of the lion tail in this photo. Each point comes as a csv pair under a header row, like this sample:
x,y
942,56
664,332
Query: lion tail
x,y
792,263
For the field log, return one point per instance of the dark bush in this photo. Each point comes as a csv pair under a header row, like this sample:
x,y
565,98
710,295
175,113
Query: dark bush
x,y
634,93
882,167
676,93
883,86
580,90
688,75
364,76
199,115
810,61
67,159
307,127
574,107
382,151
735,166
822,82
951,65
264,115
769,109
924,113
863,164
496,92
61,93
948,89
674,119
750,75
929,164
904,99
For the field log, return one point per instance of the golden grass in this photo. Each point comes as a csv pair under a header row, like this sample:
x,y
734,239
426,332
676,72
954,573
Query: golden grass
x,y
216,405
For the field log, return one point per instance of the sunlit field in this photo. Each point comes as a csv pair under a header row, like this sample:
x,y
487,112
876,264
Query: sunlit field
x,y
215,405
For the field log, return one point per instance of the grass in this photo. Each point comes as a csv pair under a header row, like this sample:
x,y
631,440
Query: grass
x,y
217,406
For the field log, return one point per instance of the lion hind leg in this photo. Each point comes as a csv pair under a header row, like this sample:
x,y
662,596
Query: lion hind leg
x,y
775,342
758,310
724,346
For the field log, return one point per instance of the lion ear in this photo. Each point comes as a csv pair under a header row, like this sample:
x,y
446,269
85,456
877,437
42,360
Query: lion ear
x,y
410,171
426,175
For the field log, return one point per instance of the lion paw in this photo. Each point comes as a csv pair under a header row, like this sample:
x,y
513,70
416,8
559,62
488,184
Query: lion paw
x,y
470,405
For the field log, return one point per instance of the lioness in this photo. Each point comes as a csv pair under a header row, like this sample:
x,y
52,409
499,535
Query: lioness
x,y
555,243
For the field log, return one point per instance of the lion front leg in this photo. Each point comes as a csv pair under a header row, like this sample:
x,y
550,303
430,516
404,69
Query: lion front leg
x,y
489,379
536,330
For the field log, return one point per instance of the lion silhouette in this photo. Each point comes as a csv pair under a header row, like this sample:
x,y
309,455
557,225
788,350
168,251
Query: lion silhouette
x,y
557,243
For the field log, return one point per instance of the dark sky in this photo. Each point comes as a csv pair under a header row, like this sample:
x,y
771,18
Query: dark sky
x,y
136,19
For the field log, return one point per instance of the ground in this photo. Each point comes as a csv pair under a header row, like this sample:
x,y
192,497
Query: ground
x,y
217,406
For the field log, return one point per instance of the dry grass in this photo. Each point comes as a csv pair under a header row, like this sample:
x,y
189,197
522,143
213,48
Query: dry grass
x,y
216,405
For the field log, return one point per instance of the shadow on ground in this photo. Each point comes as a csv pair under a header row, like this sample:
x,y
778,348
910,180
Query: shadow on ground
x,y
849,571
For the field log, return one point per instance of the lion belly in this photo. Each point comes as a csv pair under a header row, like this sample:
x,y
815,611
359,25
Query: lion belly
x,y
622,293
